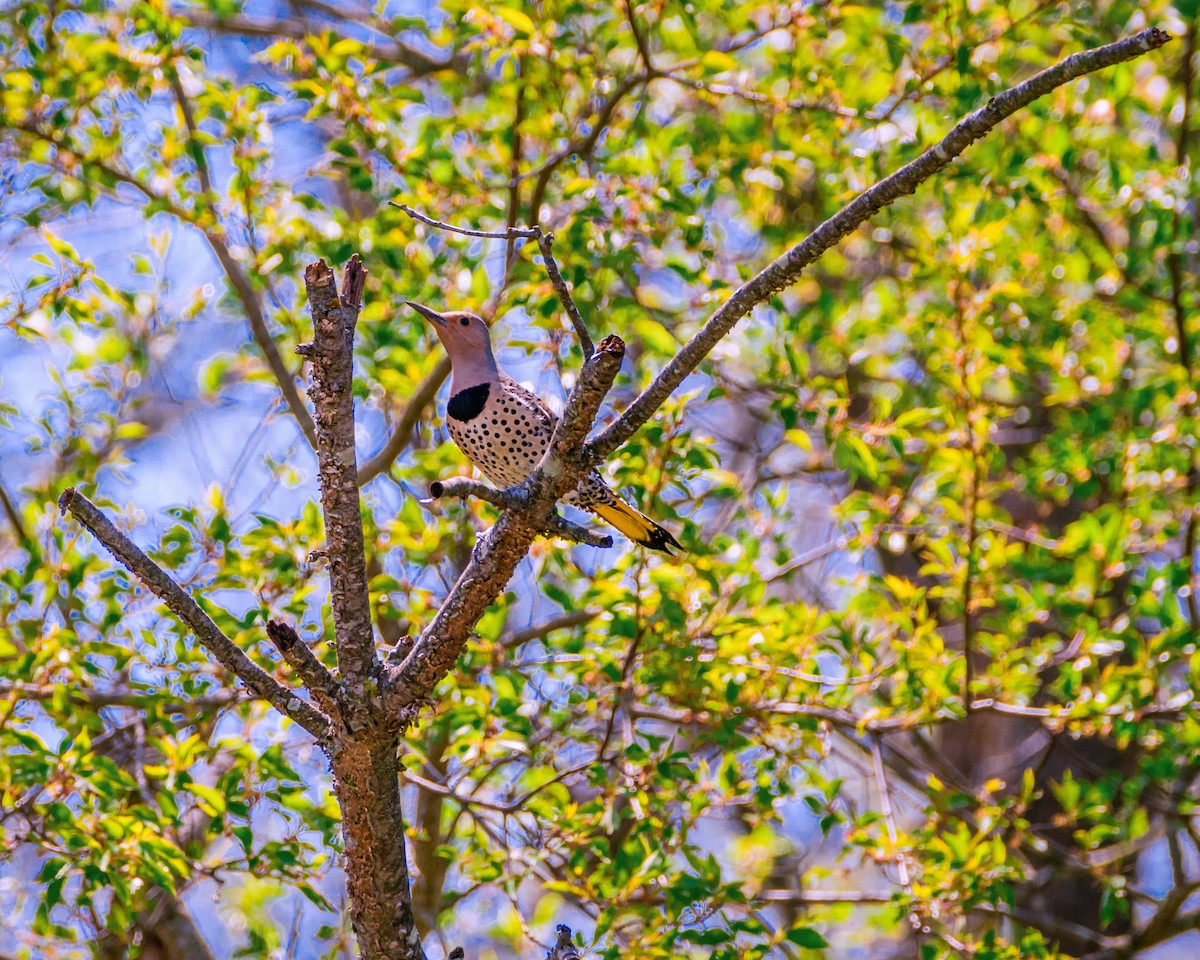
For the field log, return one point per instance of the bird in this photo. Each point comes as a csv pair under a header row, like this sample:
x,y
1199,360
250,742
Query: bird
x,y
504,429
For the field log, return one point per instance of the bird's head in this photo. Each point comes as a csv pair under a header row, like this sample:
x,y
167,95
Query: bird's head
x,y
465,337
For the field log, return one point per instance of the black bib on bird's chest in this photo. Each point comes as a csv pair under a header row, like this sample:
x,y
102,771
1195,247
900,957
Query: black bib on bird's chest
x,y
468,404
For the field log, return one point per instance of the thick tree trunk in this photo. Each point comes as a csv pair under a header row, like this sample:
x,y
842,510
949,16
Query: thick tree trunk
x,y
366,779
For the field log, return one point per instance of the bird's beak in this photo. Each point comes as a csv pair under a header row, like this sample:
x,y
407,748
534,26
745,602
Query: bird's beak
x,y
428,314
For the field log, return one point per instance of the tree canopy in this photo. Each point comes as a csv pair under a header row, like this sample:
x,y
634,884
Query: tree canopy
x,y
922,682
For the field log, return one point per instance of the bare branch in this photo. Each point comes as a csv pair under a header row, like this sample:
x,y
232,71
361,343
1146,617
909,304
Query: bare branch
x,y
576,618
565,529
889,818
463,487
332,355
299,656
509,233
224,650
785,270
545,243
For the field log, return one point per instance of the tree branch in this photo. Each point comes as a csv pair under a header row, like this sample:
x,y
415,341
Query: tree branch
x,y
299,656
14,516
332,355
366,732
545,243
566,529
576,618
224,650
463,487
496,557
515,498
508,233
785,270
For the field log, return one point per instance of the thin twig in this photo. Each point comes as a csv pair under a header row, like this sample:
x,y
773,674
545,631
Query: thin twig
x,y
810,556
545,243
14,516
642,46
224,650
889,817
576,618
750,96
510,233
189,120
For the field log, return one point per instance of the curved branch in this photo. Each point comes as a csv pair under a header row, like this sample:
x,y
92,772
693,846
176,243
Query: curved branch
x,y
787,269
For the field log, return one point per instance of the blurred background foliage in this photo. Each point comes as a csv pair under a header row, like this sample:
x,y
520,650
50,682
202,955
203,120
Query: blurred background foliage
x,y
970,427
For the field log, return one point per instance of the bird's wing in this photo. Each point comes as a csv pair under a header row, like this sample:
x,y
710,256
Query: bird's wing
x,y
531,401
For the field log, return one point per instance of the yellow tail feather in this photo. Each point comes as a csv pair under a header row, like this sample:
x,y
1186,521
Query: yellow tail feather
x,y
640,529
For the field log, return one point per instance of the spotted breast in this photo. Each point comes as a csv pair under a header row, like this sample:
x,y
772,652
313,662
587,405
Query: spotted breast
x,y
501,427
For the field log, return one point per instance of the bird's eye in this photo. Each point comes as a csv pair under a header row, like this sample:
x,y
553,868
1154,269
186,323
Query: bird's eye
x,y
464,321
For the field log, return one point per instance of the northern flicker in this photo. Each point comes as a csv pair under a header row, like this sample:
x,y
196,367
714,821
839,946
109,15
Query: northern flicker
x,y
504,429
